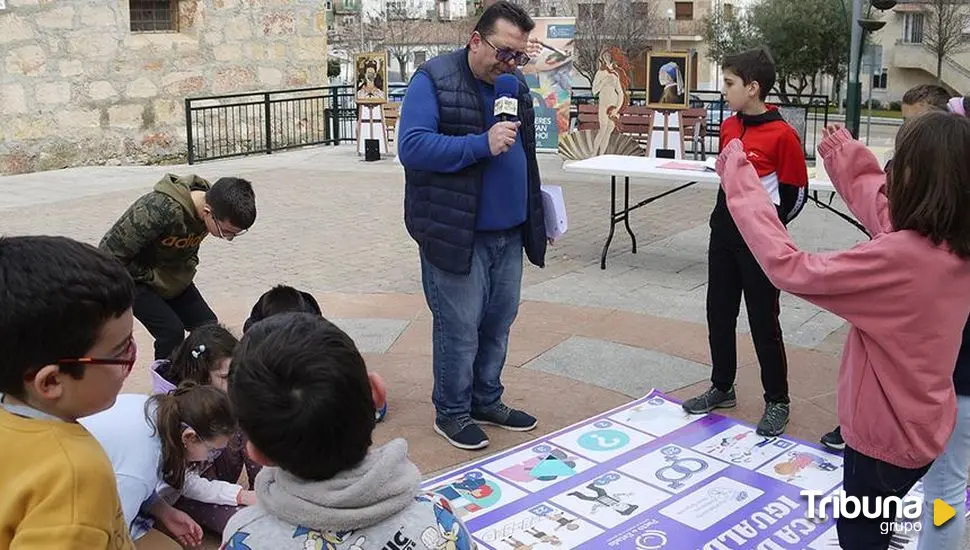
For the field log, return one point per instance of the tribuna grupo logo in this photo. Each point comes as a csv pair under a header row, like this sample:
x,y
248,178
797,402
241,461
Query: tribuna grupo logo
x,y
898,515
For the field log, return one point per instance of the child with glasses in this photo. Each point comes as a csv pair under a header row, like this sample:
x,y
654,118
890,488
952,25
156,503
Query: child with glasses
x,y
157,446
204,358
65,332
158,238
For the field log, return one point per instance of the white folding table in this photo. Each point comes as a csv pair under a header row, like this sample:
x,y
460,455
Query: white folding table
x,y
649,169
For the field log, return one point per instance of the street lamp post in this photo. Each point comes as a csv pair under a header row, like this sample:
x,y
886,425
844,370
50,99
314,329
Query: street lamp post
x,y
853,92
860,27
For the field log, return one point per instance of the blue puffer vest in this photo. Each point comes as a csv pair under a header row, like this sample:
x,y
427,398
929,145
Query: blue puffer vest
x,y
440,209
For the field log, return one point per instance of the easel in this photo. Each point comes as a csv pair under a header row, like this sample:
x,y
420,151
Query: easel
x,y
370,125
668,130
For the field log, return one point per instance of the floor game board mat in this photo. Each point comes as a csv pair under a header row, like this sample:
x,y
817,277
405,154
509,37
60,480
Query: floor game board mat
x,y
646,476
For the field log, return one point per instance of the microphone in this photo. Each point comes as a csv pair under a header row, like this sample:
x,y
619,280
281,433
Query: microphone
x,y
506,98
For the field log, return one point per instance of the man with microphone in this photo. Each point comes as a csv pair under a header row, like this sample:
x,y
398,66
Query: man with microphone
x,y
472,203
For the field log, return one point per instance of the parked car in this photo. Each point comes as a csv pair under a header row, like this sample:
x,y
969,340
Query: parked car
x,y
396,90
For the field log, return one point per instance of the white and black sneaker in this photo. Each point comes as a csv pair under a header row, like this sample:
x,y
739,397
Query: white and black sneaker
x,y
833,440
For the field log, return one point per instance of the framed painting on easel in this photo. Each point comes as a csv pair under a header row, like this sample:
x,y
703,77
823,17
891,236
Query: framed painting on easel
x,y
370,92
668,75
371,78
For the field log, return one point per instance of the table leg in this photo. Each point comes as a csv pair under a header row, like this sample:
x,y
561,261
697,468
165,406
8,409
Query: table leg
x,y
626,212
609,238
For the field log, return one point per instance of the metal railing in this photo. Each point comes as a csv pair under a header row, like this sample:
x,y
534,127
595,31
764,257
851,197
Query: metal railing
x,y
241,124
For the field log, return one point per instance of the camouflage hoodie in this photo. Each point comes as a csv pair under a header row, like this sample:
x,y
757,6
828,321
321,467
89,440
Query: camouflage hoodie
x,y
158,237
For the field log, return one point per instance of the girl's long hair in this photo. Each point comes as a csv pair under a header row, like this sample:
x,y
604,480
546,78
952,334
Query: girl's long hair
x,y
929,184
203,408
201,352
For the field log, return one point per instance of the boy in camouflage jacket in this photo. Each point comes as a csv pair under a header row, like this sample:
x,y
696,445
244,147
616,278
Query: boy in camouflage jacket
x,y
157,239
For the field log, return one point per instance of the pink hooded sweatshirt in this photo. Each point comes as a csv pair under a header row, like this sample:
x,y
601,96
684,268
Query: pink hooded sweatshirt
x,y
905,298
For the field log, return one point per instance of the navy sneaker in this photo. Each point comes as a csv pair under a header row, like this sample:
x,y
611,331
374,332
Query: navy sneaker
x,y
506,417
462,433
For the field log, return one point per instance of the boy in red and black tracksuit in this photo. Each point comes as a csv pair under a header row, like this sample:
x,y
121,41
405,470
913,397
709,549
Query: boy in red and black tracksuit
x,y
776,152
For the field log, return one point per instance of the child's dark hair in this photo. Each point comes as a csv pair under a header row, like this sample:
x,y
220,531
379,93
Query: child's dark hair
x,y
56,294
203,408
201,352
753,66
233,200
930,94
300,371
929,185
282,299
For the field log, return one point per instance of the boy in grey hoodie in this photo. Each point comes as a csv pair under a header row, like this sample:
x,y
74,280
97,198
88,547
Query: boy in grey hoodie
x,y
302,396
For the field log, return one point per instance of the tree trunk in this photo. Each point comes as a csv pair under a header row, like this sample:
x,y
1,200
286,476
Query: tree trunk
x,y
939,69
402,64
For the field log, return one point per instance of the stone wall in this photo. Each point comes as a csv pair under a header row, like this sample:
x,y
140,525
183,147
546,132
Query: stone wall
x,y
78,87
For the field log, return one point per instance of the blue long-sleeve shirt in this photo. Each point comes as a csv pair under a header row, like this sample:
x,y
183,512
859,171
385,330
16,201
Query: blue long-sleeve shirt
x,y
503,200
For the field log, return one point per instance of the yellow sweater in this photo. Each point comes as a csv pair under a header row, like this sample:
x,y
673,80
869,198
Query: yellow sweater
x,y
57,489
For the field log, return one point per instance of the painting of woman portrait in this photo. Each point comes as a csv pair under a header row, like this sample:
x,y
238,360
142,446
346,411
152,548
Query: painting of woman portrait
x,y
371,81
668,80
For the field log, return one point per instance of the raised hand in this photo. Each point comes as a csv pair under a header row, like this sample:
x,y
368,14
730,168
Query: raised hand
x,y
831,130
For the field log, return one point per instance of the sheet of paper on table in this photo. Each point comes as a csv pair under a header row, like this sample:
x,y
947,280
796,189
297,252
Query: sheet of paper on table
x,y
693,166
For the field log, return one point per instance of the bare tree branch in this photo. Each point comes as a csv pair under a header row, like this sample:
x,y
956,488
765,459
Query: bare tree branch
x,y
405,27
946,23
628,25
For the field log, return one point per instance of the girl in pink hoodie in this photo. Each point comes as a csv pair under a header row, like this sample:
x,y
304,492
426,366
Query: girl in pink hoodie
x,y
904,294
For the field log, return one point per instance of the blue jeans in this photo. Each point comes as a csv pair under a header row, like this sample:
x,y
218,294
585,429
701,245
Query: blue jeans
x,y
472,315
947,480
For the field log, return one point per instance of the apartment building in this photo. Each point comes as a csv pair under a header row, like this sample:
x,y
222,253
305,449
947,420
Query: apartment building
x,y
900,58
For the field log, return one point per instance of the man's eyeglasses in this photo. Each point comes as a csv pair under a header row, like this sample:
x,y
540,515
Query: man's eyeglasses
x,y
506,55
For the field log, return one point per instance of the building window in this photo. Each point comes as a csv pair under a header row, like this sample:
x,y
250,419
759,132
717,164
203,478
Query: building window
x,y
641,11
420,57
153,15
684,11
913,28
880,79
729,11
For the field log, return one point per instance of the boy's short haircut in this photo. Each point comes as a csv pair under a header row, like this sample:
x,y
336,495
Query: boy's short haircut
x,y
56,294
300,390
233,200
753,66
930,94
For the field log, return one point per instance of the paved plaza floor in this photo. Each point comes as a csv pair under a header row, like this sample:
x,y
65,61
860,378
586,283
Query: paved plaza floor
x,y
332,224
585,340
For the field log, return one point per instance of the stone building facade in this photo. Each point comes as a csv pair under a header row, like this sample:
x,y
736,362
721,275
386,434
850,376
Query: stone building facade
x,y
104,81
